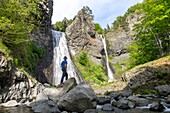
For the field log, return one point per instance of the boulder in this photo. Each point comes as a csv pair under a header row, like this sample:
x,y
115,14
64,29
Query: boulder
x,y
115,95
127,93
79,99
11,103
108,107
131,104
157,107
91,111
163,90
123,104
54,93
138,101
46,107
103,100
114,102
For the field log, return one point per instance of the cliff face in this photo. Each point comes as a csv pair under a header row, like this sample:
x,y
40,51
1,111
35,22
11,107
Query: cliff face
x,y
43,39
120,38
16,84
82,36
149,75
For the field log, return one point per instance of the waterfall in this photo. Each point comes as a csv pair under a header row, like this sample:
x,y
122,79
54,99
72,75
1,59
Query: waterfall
x,y
61,50
109,71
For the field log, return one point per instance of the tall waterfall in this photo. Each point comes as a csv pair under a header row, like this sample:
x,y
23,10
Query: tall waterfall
x,y
61,50
109,71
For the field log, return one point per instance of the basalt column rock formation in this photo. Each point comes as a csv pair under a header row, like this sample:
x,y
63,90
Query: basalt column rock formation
x,y
82,36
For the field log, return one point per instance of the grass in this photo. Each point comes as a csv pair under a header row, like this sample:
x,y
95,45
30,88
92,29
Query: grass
x,y
93,73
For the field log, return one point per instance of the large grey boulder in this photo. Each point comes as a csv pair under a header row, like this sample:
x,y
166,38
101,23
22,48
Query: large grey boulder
x,y
54,93
79,99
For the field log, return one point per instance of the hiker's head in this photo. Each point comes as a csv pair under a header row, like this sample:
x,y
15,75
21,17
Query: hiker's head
x,y
65,58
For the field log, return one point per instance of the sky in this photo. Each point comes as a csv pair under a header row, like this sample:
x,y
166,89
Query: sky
x,y
104,11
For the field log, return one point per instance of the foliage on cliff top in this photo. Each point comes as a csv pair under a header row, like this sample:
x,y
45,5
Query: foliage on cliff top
x,y
62,25
99,28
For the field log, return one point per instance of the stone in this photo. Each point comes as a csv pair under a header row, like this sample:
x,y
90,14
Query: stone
x,y
157,107
91,111
108,107
11,103
103,100
79,99
163,90
127,93
45,108
41,96
114,102
131,104
168,98
115,95
123,104
54,93
138,101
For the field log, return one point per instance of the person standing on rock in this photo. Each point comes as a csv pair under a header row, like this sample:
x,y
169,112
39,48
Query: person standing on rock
x,y
64,69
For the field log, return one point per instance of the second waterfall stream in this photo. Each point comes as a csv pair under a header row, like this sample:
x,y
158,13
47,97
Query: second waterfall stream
x,y
109,71
61,50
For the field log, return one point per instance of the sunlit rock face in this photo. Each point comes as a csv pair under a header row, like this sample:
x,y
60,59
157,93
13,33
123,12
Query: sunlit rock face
x,y
81,35
120,38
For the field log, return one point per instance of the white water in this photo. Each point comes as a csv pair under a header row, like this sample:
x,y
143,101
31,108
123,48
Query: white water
x,y
109,71
149,105
61,50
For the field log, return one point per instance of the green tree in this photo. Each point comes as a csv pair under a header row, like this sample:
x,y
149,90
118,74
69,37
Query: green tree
x,y
98,28
153,33
62,25
83,59
16,20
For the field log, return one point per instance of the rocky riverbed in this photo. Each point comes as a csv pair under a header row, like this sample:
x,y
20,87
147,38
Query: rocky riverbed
x,y
70,97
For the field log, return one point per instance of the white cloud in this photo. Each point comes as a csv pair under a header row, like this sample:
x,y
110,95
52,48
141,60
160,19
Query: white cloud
x,y
104,11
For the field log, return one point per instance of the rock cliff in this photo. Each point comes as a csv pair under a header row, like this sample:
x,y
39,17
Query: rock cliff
x,y
15,83
82,36
120,38
149,75
43,39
